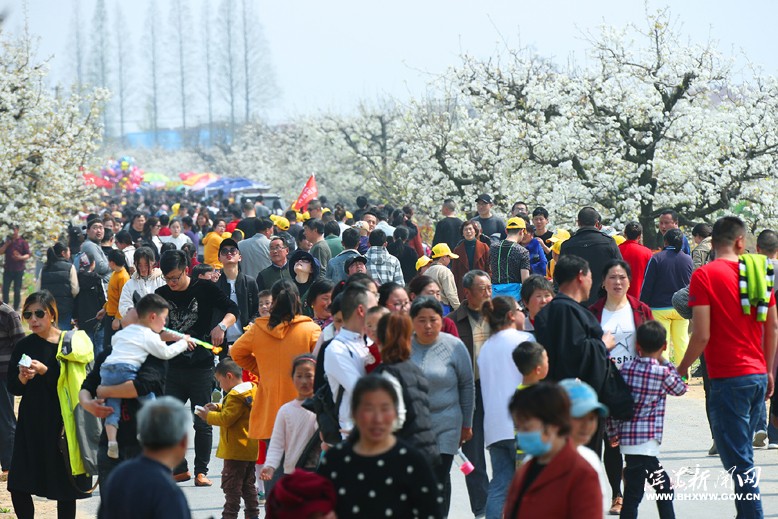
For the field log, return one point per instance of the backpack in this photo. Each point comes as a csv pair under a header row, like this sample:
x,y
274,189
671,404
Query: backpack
x,y
86,427
325,407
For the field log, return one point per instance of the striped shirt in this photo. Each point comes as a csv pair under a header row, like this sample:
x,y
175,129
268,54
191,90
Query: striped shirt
x,y
650,382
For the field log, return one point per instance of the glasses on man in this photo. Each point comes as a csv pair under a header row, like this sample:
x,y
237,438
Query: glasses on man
x,y
276,248
40,314
229,251
173,279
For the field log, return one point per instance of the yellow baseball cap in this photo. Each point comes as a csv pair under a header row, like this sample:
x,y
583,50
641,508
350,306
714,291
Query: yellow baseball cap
x,y
282,223
442,249
422,262
559,235
516,223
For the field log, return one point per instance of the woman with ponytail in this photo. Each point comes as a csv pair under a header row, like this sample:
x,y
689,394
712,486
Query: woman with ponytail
x,y
59,277
667,272
268,348
499,380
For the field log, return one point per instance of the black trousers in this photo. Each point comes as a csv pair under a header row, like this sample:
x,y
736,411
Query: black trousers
x,y
614,464
15,278
706,388
7,423
443,474
194,385
25,508
477,482
640,469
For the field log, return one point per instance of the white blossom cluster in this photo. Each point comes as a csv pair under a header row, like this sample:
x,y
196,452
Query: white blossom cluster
x,y
44,142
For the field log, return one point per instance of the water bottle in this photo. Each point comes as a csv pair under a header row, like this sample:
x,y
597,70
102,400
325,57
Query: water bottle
x,y
464,464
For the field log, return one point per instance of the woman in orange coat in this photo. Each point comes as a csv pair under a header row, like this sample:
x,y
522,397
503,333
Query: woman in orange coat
x,y
268,348
473,255
557,482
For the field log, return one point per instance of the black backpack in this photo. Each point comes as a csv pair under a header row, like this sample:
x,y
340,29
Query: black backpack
x,y
324,405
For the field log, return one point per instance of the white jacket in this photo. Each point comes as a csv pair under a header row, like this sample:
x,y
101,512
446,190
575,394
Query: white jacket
x,y
133,344
138,287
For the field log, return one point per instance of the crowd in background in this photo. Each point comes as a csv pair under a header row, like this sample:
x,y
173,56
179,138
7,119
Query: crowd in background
x,y
550,350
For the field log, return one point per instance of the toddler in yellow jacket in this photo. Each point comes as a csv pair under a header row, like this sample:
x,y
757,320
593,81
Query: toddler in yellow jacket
x,y
238,451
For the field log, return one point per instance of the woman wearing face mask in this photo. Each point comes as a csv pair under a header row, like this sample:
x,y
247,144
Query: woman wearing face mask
x,y
557,482
374,473
305,269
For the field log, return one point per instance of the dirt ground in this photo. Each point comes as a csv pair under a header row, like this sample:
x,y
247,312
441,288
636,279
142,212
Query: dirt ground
x,y
43,507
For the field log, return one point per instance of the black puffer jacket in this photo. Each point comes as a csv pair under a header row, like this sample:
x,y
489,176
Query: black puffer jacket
x,y
597,249
417,429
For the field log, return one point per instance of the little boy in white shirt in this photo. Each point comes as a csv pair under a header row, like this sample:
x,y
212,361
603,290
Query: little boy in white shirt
x,y
130,348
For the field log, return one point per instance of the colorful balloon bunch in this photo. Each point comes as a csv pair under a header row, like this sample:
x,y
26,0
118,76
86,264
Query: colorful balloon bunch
x,y
122,174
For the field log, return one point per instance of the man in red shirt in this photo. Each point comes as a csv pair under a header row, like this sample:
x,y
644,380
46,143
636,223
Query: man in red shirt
x,y
636,255
17,252
739,353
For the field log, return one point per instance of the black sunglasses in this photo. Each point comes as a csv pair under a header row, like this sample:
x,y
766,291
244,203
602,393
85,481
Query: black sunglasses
x,y
40,314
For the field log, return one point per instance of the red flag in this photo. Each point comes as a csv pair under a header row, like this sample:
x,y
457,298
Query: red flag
x,y
309,192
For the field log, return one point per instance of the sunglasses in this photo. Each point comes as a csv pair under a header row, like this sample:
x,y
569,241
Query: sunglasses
x,y
229,251
40,314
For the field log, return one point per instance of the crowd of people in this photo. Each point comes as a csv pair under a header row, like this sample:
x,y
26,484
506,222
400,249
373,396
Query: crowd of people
x,y
349,363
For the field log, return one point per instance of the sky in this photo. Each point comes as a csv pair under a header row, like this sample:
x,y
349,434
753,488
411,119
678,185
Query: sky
x,y
330,55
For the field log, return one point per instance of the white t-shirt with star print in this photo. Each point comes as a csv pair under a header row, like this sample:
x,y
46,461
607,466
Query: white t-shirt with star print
x,y
621,324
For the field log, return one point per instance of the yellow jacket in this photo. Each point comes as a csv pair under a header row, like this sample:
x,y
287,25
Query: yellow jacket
x,y
72,372
232,417
211,242
115,285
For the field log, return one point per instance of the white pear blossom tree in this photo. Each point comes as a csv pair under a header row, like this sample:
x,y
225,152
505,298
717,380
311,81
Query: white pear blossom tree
x,y
44,142
641,129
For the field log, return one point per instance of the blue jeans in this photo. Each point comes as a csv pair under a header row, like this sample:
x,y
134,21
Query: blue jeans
x,y
503,456
111,375
96,335
735,405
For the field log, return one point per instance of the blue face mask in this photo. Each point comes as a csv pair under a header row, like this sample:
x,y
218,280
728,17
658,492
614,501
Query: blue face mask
x,y
532,443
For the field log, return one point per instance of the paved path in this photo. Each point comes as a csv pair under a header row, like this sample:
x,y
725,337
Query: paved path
x,y
687,440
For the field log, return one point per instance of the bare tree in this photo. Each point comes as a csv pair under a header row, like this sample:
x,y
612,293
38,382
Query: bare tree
x,y
101,52
77,43
180,21
208,54
154,65
229,57
258,76
124,65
